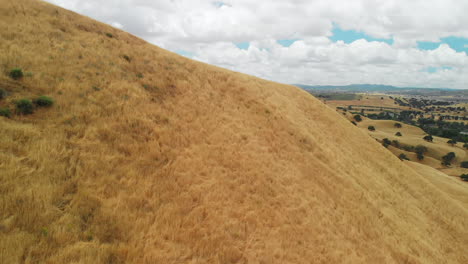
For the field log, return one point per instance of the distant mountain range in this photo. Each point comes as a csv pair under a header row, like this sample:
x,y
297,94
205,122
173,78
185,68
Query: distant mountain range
x,y
369,88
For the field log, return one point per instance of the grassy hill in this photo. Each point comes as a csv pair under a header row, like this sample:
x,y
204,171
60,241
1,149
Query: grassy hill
x,y
412,136
149,157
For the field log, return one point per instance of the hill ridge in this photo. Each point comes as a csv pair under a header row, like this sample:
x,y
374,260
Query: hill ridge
x,y
149,157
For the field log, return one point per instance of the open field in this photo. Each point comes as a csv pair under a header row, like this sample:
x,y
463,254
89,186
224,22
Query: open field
x,y
146,156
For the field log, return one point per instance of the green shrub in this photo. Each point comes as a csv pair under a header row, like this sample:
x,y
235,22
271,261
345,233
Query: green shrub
x,y
2,93
402,156
397,125
465,145
464,177
398,134
396,143
109,35
371,128
16,73
24,106
447,159
464,164
43,101
5,112
358,118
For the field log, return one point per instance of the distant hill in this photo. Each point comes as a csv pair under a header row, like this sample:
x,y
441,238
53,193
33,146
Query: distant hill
x,y
374,88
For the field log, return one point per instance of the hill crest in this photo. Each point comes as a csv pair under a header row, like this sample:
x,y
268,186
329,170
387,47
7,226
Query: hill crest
x,y
150,157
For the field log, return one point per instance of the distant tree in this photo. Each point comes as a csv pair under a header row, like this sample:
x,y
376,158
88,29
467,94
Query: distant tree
x,y
428,138
371,128
464,177
447,159
420,150
398,134
452,142
402,156
358,118
397,125
465,145
464,164
396,143
386,142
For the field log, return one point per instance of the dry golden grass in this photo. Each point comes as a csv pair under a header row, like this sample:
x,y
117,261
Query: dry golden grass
x,y
160,159
368,100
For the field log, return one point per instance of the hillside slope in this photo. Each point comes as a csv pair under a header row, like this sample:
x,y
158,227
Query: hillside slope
x,y
149,157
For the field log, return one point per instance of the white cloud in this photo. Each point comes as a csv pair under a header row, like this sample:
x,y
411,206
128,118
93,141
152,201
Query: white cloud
x,y
208,30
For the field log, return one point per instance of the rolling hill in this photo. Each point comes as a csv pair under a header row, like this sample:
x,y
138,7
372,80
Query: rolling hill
x,y
149,157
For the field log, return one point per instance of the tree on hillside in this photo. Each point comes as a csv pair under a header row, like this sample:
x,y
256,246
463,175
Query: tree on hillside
x,y
428,138
447,159
465,145
371,128
464,164
397,125
452,142
420,150
358,118
402,156
398,134
464,177
386,142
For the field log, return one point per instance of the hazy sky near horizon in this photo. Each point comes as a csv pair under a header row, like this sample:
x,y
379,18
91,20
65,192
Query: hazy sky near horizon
x,y
395,42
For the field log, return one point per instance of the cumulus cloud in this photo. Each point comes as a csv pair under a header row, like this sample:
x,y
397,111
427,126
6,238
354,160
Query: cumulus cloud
x,y
209,30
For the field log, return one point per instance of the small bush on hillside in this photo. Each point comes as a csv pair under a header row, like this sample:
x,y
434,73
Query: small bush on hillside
x,y
452,142
354,123
428,138
358,118
24,106
371,128
43,101
398,134
397,125
5,112
396,143
464,164
447,159
465,145
464,177
386,142
402,156
16,73
127,58
109,35
2,93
